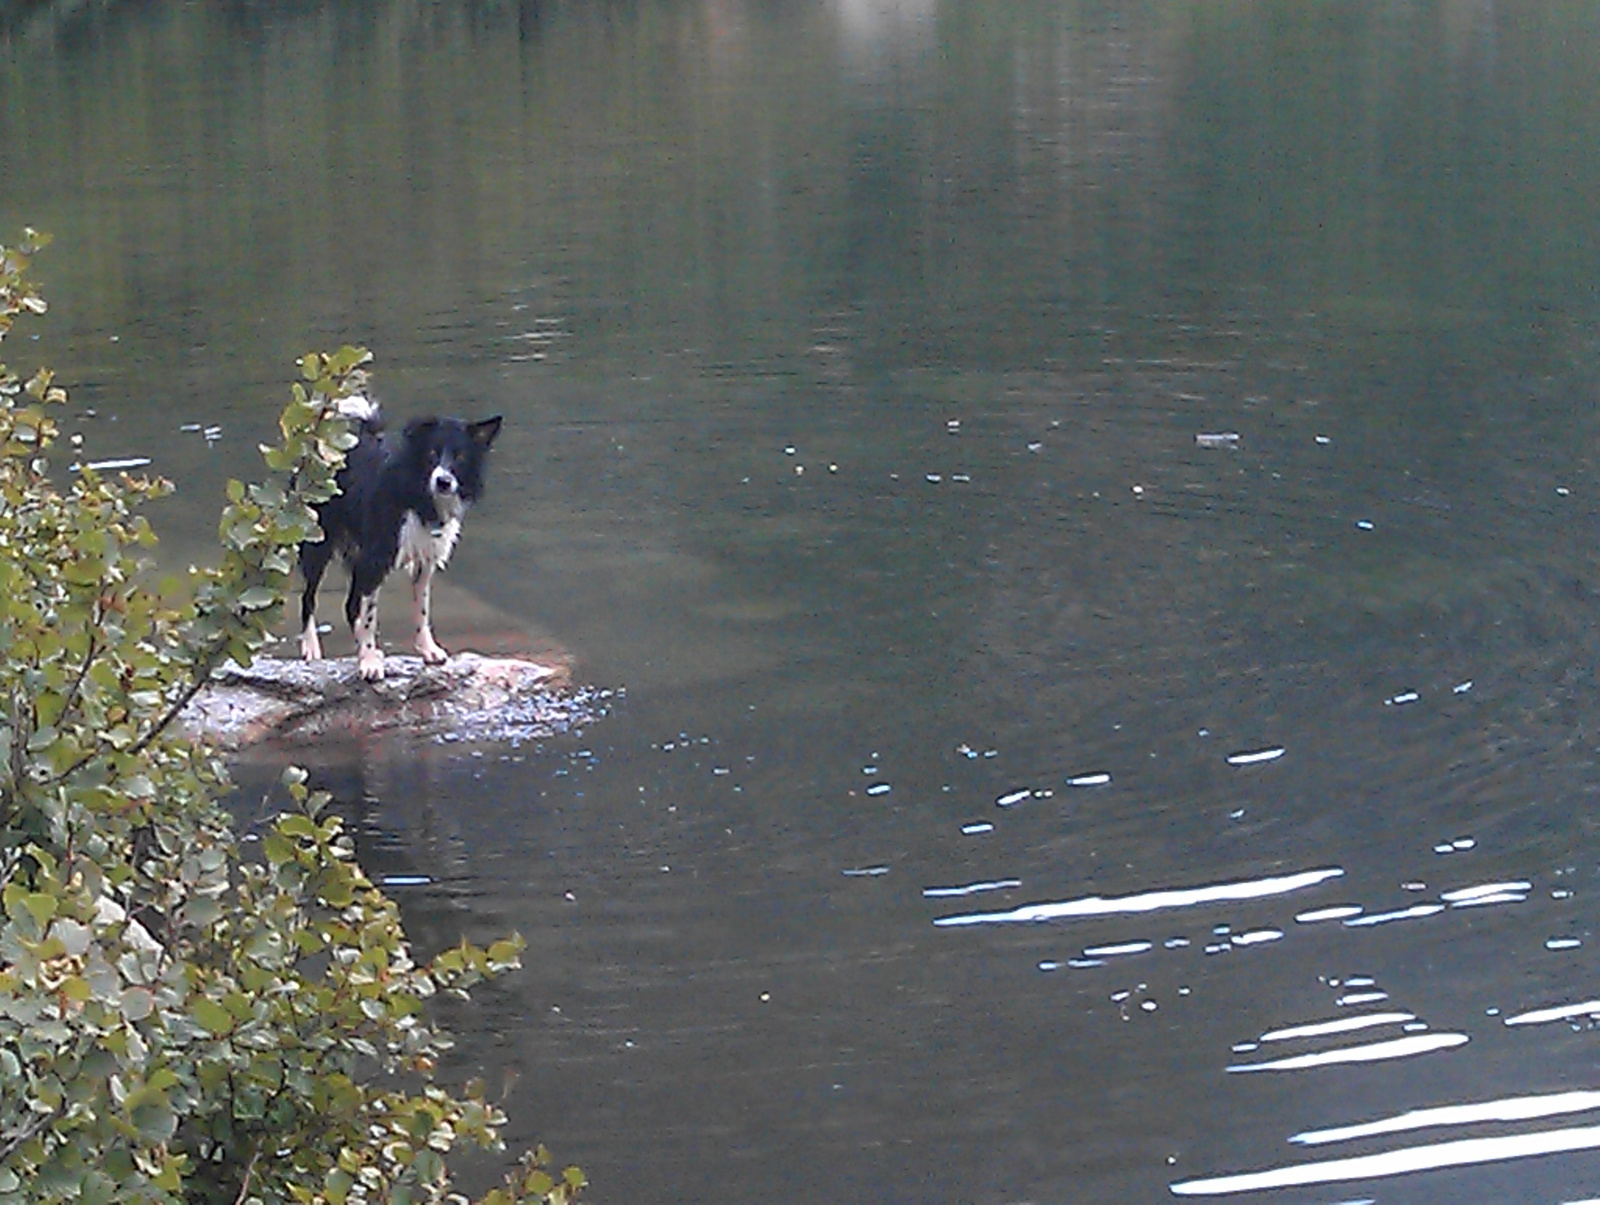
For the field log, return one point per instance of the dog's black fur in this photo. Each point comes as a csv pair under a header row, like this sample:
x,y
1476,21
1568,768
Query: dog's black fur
x,y
400,504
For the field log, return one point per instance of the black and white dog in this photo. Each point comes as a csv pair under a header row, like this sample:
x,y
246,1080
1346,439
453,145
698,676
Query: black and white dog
x,y
399,506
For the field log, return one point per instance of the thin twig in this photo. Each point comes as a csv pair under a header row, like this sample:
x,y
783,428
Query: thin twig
x,y
212,659
12,1144
249,1171
83,672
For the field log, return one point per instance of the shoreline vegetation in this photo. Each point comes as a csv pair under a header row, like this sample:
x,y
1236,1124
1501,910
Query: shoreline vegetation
x,y
179,1023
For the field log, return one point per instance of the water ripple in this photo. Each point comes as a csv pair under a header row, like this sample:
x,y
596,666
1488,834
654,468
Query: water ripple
x,y
1149,901
1459,1153
1394,1048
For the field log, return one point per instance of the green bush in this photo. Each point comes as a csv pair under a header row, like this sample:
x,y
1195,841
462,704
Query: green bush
x,y
178,1024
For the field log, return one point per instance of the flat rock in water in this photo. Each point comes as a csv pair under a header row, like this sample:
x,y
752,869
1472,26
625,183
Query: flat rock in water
x,y
467,698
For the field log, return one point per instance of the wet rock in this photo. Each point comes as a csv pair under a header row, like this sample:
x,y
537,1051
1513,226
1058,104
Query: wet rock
x,y
468,698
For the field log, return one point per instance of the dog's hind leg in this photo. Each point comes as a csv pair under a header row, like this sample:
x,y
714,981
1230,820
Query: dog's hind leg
x,y
361,609
421,600
313,564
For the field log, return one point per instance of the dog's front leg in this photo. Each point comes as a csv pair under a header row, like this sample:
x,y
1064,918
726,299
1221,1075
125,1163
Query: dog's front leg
x,y
313,563
310,641
369,656
361,609
421,590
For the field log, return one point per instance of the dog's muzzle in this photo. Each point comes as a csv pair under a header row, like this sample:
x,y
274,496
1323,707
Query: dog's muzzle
x,y
443,482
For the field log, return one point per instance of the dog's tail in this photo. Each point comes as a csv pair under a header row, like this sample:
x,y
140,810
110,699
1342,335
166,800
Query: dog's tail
x,y
361,408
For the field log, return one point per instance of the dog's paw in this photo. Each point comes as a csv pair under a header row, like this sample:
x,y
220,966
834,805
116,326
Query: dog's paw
x,y
310,645
370,663
430,650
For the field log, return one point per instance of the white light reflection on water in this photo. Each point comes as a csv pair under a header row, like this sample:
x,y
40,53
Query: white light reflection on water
x,y
1257,937
971,888
1499,897
1383,918
1355,998
1460,1153
108,466
1511,1108
1375,1052
1149,901
1462,896
1126,947
1564,1012
1251,757
1317,1029
1337,912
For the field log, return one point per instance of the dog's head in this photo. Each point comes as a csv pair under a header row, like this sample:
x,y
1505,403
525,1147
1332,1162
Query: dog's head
x,y
454,454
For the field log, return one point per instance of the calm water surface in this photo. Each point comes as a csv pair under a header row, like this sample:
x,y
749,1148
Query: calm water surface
x,y
1089,508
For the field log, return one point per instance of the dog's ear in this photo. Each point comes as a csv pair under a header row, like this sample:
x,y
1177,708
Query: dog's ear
x,y
420,426
485,431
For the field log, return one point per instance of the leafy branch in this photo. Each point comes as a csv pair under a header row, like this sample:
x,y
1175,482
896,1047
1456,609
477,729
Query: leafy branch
x,y
178,1024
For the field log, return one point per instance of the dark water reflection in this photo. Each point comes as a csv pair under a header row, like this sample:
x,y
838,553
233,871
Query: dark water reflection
x,y
872,371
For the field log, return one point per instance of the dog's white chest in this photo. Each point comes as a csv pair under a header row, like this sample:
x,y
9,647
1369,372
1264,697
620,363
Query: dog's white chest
x,y
423,547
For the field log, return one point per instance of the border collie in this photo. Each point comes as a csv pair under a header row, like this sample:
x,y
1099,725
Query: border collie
x,y
399,506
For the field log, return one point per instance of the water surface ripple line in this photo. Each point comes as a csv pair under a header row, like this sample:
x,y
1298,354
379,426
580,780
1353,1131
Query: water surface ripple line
x,y
1318,1029
1375,1052
1462,1152
1148,901
1562,1012
1511,1108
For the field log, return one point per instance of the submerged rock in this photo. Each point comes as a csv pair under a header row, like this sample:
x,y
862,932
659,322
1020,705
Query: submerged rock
x,y
467,698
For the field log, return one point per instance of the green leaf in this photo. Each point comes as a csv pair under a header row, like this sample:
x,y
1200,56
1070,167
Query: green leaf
x,y
505,951
337,1184
137,1003
258,597
538,1183
98,1189
154,1119
212,1017
277,848
297,825
40,906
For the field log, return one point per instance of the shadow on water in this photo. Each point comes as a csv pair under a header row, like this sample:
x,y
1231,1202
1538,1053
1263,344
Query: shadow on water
x,y
1091,507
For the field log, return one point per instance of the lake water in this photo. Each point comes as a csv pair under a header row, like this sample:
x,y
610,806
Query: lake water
x,y
1088,509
